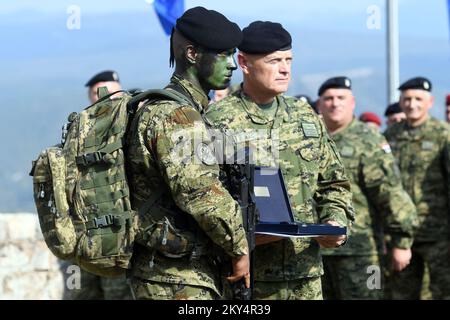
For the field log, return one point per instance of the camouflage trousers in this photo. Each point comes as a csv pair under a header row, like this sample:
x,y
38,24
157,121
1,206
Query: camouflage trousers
x,y
150,290
93,287
408,283
301,289
349,278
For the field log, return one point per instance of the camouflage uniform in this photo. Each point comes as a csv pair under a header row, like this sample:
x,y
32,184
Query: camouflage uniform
x,y
168,291
189,202
380,203
423,156
93,287
312,172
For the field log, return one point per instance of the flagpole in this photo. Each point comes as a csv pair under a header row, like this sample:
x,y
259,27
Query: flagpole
x,y
393,67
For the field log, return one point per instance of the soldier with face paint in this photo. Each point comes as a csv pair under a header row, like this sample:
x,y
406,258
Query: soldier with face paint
x,y
187,218
288,134
421,145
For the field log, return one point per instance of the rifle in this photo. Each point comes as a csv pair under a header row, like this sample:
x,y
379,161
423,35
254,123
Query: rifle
x,y
240,184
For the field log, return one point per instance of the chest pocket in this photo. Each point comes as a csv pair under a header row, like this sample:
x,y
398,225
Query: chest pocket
x,y
309,145
350,161
429,152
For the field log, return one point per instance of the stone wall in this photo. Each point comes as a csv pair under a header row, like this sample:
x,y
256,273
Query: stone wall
x,y
28,270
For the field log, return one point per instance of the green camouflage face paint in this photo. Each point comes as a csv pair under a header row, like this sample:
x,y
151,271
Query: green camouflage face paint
x,y
216,69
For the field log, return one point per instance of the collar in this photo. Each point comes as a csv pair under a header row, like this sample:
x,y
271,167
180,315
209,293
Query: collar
x,y
197,95
342,133
419,127
407,132
254,111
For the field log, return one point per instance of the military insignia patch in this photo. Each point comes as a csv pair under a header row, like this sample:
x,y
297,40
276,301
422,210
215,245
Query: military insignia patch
x,y
310,130
427,145
386,148
346,151
205,154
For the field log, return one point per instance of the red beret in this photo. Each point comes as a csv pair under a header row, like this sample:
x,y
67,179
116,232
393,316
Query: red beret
x,y
447,102
370,117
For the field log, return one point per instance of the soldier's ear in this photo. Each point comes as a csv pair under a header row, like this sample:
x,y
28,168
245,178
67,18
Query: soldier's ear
x,y
353,102
243,62
191,54
431,101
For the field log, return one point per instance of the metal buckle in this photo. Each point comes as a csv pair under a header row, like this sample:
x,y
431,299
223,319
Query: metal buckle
x,y
89,158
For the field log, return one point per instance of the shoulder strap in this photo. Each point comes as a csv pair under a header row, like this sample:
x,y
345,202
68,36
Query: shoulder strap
x,y
156,94
152,94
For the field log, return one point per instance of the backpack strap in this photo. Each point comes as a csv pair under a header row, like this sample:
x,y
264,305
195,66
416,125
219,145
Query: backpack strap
x,y
102,92
157,94
104,98
152,95
151,201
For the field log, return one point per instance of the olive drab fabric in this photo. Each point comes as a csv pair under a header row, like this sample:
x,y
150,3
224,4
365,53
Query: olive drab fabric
x,y
81,190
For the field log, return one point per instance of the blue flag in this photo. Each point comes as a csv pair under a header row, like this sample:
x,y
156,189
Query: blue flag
x,y
168,12
448,9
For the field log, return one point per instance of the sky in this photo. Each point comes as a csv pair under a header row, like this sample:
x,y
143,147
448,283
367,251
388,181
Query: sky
x,y
418,21
417,17
44,64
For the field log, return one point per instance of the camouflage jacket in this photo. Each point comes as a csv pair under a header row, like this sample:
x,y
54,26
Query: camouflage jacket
x,y
168,157
312,171
423,156
380,202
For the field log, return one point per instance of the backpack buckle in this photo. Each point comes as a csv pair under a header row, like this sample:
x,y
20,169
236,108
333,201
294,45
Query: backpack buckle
x,y
90,158
103,221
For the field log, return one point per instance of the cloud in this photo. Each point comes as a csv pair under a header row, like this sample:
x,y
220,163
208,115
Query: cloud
x,y
17,176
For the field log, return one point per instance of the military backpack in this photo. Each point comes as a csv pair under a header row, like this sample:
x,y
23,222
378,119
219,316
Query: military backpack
x,y
80,187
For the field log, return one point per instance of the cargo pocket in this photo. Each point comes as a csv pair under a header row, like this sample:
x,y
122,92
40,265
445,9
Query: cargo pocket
x,y
163,237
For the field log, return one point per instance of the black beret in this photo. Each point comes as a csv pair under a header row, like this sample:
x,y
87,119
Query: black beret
x,y
393,109
416,83
335,83
209,29
103,76
265,37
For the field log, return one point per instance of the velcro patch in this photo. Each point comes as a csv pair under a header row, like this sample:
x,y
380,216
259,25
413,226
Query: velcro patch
x,y
427,145
186,115
310,130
